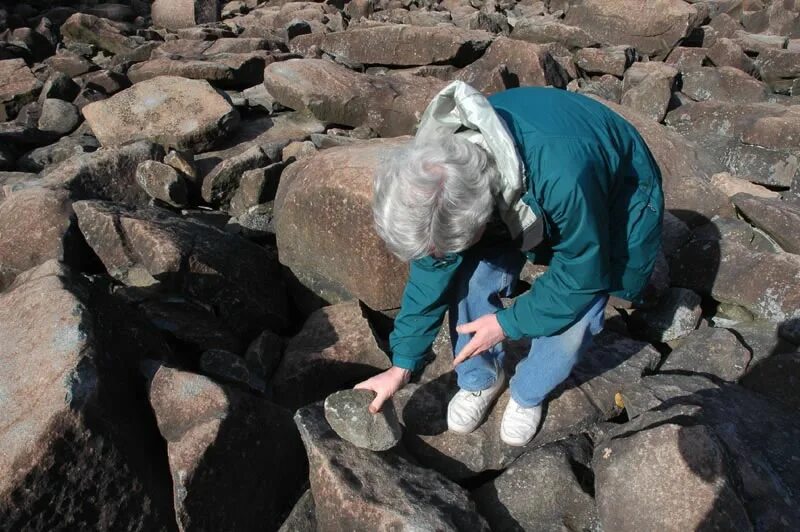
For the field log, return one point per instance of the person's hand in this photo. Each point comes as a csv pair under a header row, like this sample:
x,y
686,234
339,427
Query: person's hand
x,y
384,385
486,333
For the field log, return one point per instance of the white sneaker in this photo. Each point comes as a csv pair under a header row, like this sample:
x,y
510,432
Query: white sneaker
x,y
467,410
519,423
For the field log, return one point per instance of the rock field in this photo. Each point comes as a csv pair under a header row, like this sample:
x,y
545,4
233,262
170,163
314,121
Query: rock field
x,y
188,269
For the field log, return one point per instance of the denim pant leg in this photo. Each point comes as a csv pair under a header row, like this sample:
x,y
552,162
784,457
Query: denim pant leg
x,y
552,358
483,277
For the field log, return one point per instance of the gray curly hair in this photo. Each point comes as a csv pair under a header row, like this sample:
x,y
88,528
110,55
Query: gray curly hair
x,y
433,196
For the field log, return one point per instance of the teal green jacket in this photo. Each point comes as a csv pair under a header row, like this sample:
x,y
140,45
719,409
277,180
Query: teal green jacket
x,y
594,182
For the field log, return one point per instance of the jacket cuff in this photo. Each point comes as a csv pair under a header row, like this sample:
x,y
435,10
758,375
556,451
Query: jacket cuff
x,y
507,322
409,363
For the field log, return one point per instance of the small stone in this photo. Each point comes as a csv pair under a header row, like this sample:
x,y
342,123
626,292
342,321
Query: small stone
x,y
264,354
162,182
676,315
732,185
298,150
347,413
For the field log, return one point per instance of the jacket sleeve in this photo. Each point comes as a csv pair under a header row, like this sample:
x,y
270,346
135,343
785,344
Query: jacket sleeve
x,y
579,269
425,300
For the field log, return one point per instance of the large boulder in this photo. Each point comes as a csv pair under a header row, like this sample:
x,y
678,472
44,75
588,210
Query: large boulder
x,y
325,230
757,140
18,87
730,272
547,488
227,71
177,14
80,450
336,349
108,173
726,84
587,397
405,45
171,111
705,457
236,460
358,489
37,224
712,352
511,63
542,30
153,247
652,27
390,104
104,34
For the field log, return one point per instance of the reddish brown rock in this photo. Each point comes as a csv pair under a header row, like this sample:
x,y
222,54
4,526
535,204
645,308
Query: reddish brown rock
x,y
227,71
613,60
726,84
236,460
100,32
18,86
647,88
336,252
391,105
405,45
766,284
177,14
779,219
586,398
524,64
357,489
75,428
37,224
653,28
541,31
336,349
153,247
171,111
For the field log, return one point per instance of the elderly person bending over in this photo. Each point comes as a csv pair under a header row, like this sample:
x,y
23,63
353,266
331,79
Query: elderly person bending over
x,y
530,172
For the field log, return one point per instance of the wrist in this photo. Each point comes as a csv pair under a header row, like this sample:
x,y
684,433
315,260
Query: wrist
x,y
404,374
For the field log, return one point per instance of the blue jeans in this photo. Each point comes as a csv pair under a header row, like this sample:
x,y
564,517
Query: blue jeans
x,y
483,277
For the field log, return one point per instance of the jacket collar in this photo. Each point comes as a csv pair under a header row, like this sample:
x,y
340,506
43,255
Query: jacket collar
x,y
459,105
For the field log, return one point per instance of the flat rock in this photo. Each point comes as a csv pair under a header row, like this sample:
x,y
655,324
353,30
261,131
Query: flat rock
x,y
236,460
74,427
545,30
778,68
558,473
725,84
675,315
220,185
153,247
225,70
653,28
709,455
711,352
336,349
647,89
18,86
346,412
586,398
303,517
358,489
337,253
172,111
177,14
732,185
406,45
391,105
779,219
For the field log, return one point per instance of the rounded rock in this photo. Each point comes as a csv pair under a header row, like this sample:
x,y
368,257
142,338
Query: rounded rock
x,y
348,415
